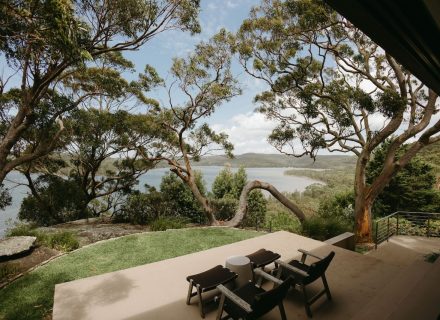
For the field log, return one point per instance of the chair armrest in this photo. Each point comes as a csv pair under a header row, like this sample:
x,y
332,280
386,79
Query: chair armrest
x,y
307,253
267,276
234,298
292,268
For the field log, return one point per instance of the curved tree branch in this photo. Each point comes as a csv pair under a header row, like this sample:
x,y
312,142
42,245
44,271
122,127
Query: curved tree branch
x,y
256,184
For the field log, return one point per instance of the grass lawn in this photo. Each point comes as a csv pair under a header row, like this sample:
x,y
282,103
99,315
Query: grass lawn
x,y
31,297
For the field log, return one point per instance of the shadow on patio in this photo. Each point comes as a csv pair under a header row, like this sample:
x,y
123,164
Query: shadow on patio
x,y
158,290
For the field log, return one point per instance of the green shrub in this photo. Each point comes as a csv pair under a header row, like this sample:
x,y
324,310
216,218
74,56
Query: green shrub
x,y
59,201
320,228
7,270
23,229
432,257
164,223
339,206
257,208
63,241
224,208
283,221
142,208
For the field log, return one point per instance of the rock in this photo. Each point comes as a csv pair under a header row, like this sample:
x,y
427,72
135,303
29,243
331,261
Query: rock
x,y
13,246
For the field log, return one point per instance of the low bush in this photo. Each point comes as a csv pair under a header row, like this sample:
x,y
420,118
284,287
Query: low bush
x,y
63,241
320,228
283,221
164,223
7,270
224,208
23,229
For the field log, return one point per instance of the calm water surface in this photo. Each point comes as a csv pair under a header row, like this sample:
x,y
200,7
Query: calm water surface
x,y
274,176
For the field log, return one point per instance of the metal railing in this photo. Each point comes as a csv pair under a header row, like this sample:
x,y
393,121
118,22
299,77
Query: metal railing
x,y
406,223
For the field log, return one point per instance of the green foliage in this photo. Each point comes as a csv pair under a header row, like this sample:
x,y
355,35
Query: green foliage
x,y
70,53
256,214
415,228
340,207
164,223
320,228
24,229
411,189
5,197
283,221
142,208
432,257
58,201
96,136
224,208
226,190
7,270
63,241
179,199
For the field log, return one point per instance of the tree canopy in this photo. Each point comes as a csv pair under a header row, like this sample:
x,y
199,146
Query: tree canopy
x,y
56,50
331,87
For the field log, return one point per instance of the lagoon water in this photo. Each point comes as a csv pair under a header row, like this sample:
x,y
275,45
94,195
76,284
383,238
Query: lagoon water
x,y
274,176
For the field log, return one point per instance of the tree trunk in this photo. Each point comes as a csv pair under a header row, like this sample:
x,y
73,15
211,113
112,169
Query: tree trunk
x,y
242,207
363,219
207,209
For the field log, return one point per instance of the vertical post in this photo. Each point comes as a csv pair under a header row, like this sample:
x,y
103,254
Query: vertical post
x,y
377,226
429,227
397,228
256,223
388,228
270,226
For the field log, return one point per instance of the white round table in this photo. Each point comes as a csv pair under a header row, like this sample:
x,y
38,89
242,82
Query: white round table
x,y
242,266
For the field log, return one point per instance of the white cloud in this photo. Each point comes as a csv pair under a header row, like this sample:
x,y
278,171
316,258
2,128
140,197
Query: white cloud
x,y
231,4
248,133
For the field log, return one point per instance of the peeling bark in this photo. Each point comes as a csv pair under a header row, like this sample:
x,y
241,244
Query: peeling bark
x,y
256,184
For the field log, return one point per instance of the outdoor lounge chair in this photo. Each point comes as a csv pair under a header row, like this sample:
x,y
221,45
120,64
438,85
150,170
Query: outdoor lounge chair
x,y
304,274
206,281
251,301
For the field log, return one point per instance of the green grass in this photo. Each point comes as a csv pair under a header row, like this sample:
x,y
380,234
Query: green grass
x,y
31,297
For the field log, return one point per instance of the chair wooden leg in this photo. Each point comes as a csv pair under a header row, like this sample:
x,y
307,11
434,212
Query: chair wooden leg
x,y
188,298
327,289
282,311
220,307
199,294
306,301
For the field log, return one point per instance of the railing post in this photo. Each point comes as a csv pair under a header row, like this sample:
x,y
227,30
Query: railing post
x,y
377,226
388,228
270,226
256,223
397,227
429,227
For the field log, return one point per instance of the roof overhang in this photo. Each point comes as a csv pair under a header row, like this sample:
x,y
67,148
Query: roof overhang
x,y
408,30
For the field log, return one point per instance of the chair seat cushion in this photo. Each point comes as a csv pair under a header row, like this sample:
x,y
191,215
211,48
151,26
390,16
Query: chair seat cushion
x,y
213,277
262,257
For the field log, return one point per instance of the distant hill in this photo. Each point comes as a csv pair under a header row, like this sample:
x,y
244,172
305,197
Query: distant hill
x,y
261,160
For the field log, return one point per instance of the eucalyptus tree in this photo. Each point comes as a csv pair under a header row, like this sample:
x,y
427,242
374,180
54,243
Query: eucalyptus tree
x,y
330,87
201,82
102,163
45,42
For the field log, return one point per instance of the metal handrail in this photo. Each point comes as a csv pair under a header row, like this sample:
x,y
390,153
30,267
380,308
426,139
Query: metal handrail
x,y
384,229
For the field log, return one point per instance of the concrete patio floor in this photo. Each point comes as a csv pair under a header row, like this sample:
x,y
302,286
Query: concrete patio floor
x,y
158,290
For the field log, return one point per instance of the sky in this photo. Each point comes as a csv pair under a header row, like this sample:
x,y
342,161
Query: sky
x,y
247,130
